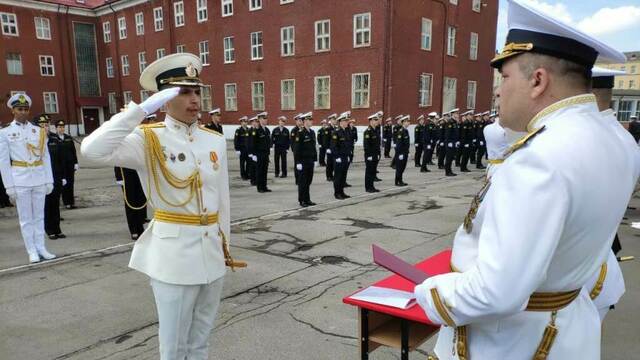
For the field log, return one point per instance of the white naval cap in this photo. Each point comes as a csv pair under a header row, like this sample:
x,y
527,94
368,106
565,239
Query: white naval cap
x,y
433,114
454,110
405,118
298,116
398,117
603,78
377,115
282,118
421,117
243,119
254,118
263,114
470,112
215,111
175,69
531,30
308,115
19,100
332,116
344,116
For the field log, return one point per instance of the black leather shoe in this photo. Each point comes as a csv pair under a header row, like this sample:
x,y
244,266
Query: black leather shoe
x,y
61,236
376,190
304,204
465,170
338,196
451,174
52,237
345,196
480,167
310,203
424,170
347,185
376,179
370,190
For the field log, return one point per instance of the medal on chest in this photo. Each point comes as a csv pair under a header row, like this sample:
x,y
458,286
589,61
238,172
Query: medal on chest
x,y
213,156
475,204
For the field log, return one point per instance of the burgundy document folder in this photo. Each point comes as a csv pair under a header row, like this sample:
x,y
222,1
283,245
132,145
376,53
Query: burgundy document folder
x,y
393,263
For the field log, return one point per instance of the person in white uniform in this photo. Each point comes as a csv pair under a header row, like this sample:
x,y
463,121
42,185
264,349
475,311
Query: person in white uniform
x,y
183,170
26,173
544,222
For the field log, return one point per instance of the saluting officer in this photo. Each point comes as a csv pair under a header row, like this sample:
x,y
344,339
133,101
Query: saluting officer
x,y
371,145
214,124
60,174
403,143
320,140
281,142
240,146
387,136
306,156
341,148
333,127
418,134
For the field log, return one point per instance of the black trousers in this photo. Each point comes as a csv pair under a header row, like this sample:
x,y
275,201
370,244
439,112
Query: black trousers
x,y
464,157
473,149
262,168
135,197
52,211
251,170
305,180
4,198
243,165
457,155
427,155
401,165
442,151
387,147
479,155
340,175
330,166
370,171
418,155
322,155
395,159
280,161
351,156
450,154
67,190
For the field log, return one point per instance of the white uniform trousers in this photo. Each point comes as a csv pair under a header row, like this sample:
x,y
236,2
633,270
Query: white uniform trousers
x,y
186,315
30,206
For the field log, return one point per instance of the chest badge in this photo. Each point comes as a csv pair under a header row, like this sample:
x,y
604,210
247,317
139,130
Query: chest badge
x,y
33,131
182,157
173,157
213,156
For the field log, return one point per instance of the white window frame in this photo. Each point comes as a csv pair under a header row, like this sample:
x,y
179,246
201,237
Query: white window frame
x,y
206,98
473,46
109,66
18,69
145,94
142,61
476,5
317,93
13,92
231,98
202,13
471,95
203,48
288,98
122,28
363,92
257,99
48,67
180,49
229,50
113,103
365,30
426,34
227,8
454,2
287,41
43,28
160,53
9,20
139,23
106,32
255,5
283,2
425,95
158,19
178,13
445,82
451,40
124,60
322,38
257,51
50,100
127,97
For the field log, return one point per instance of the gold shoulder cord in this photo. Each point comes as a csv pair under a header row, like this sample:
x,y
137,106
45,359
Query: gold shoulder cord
x,y
39,151
124,193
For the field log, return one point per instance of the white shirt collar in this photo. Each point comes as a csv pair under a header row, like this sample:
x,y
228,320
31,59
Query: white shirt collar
x,y
178,126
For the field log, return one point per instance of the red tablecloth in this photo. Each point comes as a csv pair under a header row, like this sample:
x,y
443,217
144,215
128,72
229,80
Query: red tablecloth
x,y
437,264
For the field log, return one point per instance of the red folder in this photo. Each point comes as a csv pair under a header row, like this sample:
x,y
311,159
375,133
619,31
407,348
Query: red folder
x,y
393,263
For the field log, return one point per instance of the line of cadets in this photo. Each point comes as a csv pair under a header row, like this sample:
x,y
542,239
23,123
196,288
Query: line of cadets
x,y
452,138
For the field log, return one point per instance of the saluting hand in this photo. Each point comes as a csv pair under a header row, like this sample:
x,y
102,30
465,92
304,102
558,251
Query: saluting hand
x,y
157,100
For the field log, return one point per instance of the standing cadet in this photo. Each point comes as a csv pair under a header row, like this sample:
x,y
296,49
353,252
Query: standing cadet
x,y
397,127
387,136
328,138
371,144
481,122
252,158
354,139
443,123
320,141
4,198
450,141
340,148
26,173
281,142
60,174
214,124
467,133
70,164
239,144
403,143
307,155
135,203
429,141
294,132
262,148
185,248
418,134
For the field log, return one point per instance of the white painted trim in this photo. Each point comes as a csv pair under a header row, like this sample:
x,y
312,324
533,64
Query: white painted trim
x,y
96,12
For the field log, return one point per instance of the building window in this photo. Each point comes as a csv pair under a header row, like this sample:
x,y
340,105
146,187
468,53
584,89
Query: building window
x,y
178,11
288,94
632,84
624,109
229,50
227,8
257,95
106,31
46,65
424,92
475,5
125,65
203,46
158,19
50,102
9,24
256,45
323,35
14,64
43,29
471,94
322,92
360,90
201,11
110,73
282,2
160,53
142,61
454,2
451,41
287,40
449,94
86,59
425,34
362,30
230,97
473,46
145,94
139,23
633,69
127,97
255,5
623,68
113,103
180,49
620,84
122,28
205,98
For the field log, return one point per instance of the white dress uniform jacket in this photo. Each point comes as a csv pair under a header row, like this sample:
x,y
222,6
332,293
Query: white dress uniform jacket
x,y
16,140
545,224
172,253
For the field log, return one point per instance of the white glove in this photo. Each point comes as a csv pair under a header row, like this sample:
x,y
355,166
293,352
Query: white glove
x,y
64,182
457,143
450,144
370,158
441,144
155,101
76,167
466,145
428,147
238,153
401,157
315,164
49,188
120,182
481,143
394,146
328,151
416,145
11,192
255,158
299,167
339,161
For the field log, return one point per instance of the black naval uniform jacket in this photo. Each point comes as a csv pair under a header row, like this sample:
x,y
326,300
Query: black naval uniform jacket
x,y
294,146
69,155
54,143
371,143
306,146
239,139
261,141
341,143
403,141
320,137
280,138
387,133
214,127
327,139
418,133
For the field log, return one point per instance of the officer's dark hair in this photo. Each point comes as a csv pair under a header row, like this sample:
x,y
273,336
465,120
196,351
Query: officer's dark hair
x,y
576,74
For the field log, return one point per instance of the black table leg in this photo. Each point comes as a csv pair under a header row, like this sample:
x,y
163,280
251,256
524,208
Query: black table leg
x,y
364,331
404,339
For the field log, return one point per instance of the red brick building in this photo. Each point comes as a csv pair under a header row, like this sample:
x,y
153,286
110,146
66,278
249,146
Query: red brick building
x,y
80,60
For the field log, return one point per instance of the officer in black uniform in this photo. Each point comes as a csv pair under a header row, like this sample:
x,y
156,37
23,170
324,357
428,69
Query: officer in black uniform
x,y
387,136
354,140
481,144
341,148
403,143
394,131
328,138
418,134
371,144
442,148
214,124
70,164
135,203
293,133
4,198
450,140
306,156
251,156
467,133
262,143
429,141
240,145
320,141
52,201
281,142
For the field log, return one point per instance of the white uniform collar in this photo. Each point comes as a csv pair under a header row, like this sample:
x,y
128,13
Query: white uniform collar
x,y
543,116
178,126
17,123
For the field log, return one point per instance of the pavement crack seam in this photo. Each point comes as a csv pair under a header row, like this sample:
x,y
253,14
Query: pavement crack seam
x,y
317,329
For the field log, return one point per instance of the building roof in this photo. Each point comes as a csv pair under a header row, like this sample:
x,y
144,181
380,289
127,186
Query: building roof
x,y
626,92
86,4
633,55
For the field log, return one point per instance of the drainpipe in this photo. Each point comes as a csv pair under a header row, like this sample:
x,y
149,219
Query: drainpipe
x,y
445,23
118,68
388,61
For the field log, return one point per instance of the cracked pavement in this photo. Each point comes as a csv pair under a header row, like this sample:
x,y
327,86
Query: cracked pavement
x,y
286,305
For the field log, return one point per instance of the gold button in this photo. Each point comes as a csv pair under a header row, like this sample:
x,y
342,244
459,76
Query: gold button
x,y
199,162
191,138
